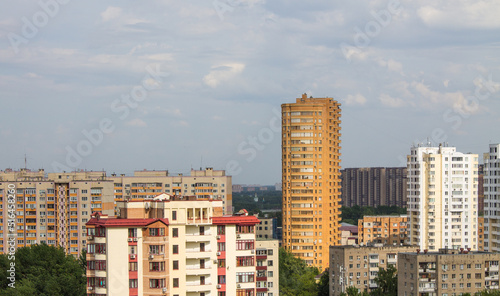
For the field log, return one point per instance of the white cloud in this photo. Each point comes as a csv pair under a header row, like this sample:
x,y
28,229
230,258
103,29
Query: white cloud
x,y
389,101
136,123
357,99
111,13
222,73
461,14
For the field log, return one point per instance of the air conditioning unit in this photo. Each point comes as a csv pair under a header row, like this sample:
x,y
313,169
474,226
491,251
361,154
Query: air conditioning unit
x,y
164,290
90,288
132,256
219,286
218,237
218,253
129,239
252,251
151,257
135,239
238,286
91,237
238,236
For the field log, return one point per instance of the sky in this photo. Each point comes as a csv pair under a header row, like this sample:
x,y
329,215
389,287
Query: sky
x,y
131,85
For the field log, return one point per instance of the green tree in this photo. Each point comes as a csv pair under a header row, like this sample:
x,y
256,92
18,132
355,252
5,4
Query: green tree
x,y
324,284
296,278
387,282
42,270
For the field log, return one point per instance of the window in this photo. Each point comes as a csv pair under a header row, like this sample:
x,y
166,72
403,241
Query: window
x,y
156,231
175,249
132,283
175,232
245,245
244,277
132,266
156,249
245,261
175,264
176,283
174,215
270,263
157,266
132,232
221,229
157,283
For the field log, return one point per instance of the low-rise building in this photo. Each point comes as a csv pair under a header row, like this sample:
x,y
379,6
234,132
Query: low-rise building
x,y
383,230
447,272
348,234
358,266
267,228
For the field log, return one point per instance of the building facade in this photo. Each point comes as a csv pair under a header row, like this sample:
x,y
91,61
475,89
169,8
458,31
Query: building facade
x,y
267,228
53,209
348,234
267,259
491,198
447,272
208,183
311,178
358,266
442,198
374,186
199,252
388,230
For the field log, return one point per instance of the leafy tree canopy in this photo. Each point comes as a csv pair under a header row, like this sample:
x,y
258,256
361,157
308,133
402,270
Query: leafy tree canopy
x,y
42,270
296,278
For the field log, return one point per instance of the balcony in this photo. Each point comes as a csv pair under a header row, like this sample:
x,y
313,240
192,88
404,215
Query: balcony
x,y
196,237
196,253
197,269
196,286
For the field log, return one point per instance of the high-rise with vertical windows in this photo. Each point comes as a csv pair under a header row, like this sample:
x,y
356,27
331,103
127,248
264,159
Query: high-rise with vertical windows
x,y
311,178
442,198
492,198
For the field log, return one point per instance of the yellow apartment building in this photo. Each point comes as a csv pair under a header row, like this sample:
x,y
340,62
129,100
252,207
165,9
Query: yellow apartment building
x,y
387,230
311,178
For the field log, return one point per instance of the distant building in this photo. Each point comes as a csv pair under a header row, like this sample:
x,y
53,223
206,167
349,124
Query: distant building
x,y
447,272
491,198
358,266
52,208
348,234
237,188
267,228
442,200
387,230
374,186
277,187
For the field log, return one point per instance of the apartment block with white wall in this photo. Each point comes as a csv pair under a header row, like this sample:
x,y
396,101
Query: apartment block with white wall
x,y
442,198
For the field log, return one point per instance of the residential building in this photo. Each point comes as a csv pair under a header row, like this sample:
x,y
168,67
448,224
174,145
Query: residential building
x,y
311,178
348,234
208,183
480,233
51,208
491,198
387,230
267,260
374,186
447,272
358,266
442,198
199,252
267,228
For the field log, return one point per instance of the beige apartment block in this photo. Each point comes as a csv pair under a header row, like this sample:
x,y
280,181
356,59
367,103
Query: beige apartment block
x,y
267,259
358,266
208,183
311,178
446,272
442,198
53,209
199,252
387,230
267,228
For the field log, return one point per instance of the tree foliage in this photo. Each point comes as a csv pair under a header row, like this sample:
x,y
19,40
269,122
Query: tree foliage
x,y
296,278
353,214
324,284
42,270
387,282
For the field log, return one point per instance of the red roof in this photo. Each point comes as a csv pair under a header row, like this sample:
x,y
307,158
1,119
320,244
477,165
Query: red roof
x,y
239,220
119,222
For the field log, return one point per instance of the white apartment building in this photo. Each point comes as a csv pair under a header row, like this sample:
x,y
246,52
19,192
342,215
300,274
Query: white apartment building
x,y
492,199
442,198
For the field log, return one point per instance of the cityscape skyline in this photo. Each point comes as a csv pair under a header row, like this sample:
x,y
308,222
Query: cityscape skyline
x,y
118,81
